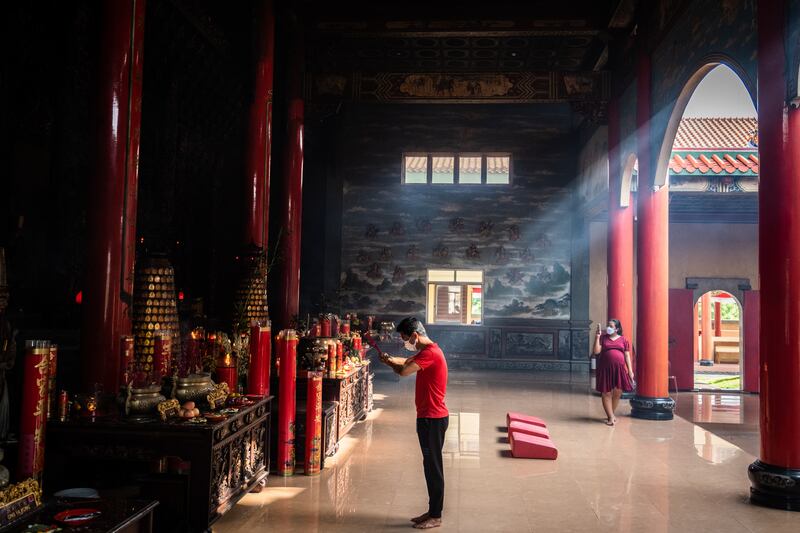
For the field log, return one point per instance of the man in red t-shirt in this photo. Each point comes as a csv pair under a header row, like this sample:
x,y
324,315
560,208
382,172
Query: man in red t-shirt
x,y
432,416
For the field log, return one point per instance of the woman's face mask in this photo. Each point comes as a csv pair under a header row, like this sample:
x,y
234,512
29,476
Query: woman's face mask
x,y
610,330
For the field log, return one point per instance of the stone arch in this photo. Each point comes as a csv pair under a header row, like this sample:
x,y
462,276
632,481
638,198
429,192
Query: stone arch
x,y
707,65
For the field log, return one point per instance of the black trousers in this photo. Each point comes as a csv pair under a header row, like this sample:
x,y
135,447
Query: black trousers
x,y
431,440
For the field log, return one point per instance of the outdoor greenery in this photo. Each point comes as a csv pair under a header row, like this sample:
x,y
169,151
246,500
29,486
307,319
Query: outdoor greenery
x,y
729,311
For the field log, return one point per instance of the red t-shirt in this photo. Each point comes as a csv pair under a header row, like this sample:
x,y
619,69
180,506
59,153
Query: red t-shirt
x,y
431,383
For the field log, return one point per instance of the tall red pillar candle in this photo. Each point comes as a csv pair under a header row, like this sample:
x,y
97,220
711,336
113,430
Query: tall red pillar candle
x,y
226,372
52,365
192,363
345,330
260,360
331,362
162,355
313,458
32,415
286,403
339,356
325,326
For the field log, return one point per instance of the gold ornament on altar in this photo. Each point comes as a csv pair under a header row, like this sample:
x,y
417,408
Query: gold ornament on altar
x,y
155,311
217,397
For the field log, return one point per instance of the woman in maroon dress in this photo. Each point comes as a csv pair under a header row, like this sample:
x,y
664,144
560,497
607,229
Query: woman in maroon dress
x,y
614,368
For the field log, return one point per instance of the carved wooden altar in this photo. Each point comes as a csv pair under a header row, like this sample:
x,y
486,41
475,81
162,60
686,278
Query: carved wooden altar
x,y
217,463
346,400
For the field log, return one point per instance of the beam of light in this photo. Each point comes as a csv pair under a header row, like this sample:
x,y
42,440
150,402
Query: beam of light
x,y
270,495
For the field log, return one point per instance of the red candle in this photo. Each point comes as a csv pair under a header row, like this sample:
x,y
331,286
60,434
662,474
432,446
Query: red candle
x,y
226,372
162,353
32,417
331,363
325,326
192,363
339,356
126,360
345,327
286,402
313,458
260,360
52,364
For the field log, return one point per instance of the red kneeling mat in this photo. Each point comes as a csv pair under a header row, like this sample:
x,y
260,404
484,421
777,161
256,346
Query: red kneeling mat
x,y
524,418
530,447
529,429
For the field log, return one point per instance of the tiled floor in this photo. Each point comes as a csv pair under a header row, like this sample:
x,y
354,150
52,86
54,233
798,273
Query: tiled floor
x,y
639,476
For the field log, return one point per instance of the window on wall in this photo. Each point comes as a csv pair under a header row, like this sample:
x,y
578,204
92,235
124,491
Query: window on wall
x,y
461,169
455,297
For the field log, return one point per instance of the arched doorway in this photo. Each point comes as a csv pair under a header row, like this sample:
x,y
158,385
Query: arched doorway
x,y
718,342
709,161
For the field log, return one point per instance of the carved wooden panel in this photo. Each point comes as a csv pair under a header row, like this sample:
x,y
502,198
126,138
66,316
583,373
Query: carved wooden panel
x,y
524,344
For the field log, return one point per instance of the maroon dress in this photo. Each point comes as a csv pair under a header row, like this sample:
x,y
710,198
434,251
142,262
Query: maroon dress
x,y
612,373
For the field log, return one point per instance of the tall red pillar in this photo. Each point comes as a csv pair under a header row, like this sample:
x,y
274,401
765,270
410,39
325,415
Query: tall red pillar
x,y
113,191
620,232
718,319
259,148
652,400
775,477
706,329
288,297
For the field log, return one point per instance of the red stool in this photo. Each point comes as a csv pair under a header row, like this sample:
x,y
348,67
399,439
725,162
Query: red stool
x,y
527,419
530,447
529,429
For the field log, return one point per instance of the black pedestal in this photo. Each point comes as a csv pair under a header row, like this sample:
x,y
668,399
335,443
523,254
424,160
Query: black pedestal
x,y
774,486
652,408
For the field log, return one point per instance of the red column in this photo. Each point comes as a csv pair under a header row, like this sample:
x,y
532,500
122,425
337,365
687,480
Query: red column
x,y
718,319
259,147
113,190
706,329
775,477
620,233
652,324
696,332
292,202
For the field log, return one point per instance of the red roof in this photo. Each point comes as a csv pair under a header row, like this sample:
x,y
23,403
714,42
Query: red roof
x,y
716,145
467,164
745,162
716,133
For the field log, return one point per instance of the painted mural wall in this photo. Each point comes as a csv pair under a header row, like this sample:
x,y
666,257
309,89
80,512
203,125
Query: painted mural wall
x,y
518,234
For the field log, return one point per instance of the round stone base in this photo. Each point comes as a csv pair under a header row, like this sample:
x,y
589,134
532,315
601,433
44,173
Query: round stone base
x,y
774,486
652,408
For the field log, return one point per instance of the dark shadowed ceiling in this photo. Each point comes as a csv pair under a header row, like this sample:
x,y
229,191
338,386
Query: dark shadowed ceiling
x,y
446,36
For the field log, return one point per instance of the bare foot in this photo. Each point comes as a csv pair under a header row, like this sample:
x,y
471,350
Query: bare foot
x,y
610,422
429,523
420,518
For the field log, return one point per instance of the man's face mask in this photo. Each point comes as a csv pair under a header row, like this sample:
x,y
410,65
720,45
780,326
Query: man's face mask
x,y
410,346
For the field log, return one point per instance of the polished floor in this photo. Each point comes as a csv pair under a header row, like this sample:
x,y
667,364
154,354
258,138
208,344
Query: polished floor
x,y
638,476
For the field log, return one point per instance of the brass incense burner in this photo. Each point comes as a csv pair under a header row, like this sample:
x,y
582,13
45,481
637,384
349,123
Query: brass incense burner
x,y
142,401
194,387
